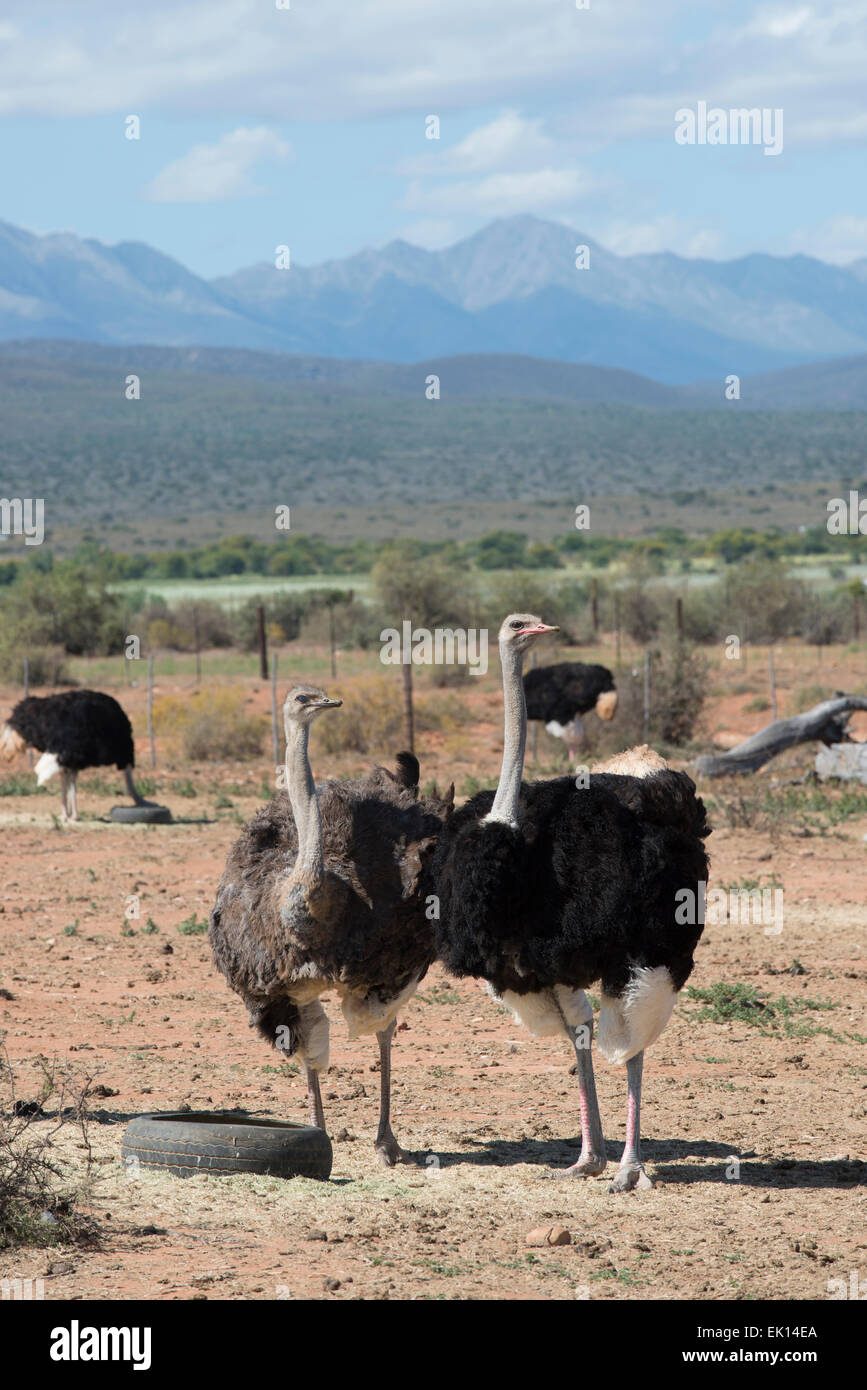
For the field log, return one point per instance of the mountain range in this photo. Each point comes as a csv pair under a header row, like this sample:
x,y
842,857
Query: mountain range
x,y
511,289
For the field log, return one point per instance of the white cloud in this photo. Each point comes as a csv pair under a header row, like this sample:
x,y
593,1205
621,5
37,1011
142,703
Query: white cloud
x,y
660,234
510,139
839,240
624,69
213,173
431,233
501,194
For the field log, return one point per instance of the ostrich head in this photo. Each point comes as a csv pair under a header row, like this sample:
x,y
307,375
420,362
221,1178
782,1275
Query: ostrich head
x,y
520,630
304,703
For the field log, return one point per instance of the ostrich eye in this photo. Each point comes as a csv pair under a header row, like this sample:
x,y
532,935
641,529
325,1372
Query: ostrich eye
x,y
516,625
302,699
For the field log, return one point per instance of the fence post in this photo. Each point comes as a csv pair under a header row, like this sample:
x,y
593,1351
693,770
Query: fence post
x,y
151,709
263,645
26,693
331,639
275,733
198,645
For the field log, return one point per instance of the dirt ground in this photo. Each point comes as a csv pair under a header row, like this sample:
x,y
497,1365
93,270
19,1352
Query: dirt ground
x,y
487,1108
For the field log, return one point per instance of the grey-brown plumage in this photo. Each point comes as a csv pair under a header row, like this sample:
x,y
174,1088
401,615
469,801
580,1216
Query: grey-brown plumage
x,y
325,890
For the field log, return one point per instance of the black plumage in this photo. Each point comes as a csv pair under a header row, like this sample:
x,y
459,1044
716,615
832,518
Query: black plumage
x,y
583,890
82,728
565,690
545,888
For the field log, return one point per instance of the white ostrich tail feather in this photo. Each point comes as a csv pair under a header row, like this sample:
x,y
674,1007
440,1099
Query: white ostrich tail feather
x,y
46,768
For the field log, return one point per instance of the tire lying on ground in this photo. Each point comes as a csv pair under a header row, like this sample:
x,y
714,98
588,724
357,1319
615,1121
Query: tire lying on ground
x,y
141,815
190,1143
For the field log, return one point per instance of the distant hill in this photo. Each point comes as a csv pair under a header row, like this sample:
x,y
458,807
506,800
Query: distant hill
x,y
840,384
221,431
512,288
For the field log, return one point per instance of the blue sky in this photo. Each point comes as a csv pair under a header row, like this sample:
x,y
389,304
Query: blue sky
x,y
306,125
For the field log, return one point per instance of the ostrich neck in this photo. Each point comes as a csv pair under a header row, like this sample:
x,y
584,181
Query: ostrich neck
x,y
505,807
305,806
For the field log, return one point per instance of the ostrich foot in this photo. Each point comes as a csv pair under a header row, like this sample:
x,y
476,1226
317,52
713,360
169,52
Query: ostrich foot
x,y
389,1153
631,1176
588,1166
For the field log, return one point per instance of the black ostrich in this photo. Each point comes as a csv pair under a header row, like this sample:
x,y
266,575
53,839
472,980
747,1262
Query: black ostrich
x,y
326,890
560,694
549,886
72,731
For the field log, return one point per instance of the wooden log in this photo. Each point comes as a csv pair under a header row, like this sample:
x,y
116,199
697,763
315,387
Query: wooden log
x,y
826,722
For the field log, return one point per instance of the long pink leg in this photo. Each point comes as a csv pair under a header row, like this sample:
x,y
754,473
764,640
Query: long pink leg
x,y
591,1161
388,1151
631,1172
314,1099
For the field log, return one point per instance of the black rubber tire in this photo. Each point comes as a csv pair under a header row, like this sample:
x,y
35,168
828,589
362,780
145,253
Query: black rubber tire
x,y
215,1142
141,815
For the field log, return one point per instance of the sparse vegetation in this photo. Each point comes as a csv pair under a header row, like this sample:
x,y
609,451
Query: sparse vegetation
x,y
38,1205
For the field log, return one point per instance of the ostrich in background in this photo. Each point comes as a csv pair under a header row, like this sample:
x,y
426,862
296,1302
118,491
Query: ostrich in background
x,y
549,886
74,730
558,695
325,891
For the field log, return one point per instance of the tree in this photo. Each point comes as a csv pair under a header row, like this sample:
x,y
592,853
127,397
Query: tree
x,y
428,593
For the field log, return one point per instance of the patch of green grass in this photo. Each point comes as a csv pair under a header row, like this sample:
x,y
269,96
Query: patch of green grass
x,y
284,1069
437,1267
816,806
223,802
711,1061
191,926
749,885
71,929
623,1276
20,786
184,788
737,1003
150,928
440,994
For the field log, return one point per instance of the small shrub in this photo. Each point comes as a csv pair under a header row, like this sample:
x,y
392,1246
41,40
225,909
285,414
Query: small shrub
x,y
211,725
38,1204
191,926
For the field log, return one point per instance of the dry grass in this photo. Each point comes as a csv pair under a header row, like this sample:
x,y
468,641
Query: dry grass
x,y
371,719
210,725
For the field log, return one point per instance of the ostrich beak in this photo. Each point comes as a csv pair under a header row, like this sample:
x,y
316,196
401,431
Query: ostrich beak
x,y
329,704
537,631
